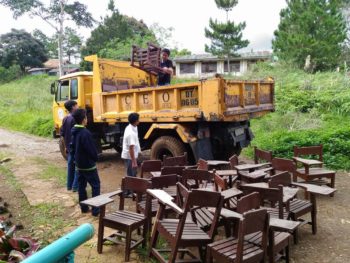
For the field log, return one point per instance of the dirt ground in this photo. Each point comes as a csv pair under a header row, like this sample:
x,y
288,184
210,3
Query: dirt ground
x,y
331,244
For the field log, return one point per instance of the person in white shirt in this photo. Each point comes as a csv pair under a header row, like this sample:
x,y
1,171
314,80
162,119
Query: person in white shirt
x,y
131,146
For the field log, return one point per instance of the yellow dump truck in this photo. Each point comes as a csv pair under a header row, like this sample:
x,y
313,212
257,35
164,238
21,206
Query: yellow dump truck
x,y
208,118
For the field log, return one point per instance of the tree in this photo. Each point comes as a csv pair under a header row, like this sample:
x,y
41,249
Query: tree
x,y
50,43
226,38
19,47
314,28
72,43
54,14
114,35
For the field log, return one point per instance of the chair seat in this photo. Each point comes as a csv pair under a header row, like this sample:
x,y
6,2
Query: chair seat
x,y
297,206
225,250
142,206
191,232
281,239
124,217
316,171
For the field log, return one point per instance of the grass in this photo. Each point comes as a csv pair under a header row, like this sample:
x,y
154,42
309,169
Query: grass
x,y
51,171
25,105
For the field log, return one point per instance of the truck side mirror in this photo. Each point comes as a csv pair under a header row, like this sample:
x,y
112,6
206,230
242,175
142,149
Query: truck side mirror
x,y
53,88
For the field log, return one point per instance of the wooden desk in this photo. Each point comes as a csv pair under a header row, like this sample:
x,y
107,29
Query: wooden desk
x,y
307,161
217,162
253,177
250,167
316,189
229,173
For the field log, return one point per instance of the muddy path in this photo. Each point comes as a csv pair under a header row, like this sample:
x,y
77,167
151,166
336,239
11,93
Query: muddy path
x,y
331,244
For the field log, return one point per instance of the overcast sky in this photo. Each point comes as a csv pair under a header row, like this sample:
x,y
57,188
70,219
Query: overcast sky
x,y
187,17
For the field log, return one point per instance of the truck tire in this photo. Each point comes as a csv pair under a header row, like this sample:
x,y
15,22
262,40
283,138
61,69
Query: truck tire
x,y
62,148
167,145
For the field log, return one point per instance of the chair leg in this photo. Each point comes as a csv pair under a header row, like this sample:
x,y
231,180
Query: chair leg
x,y
295,236
127,244
172,258
100,237
153,242
201,253
332,184
209,257
287,252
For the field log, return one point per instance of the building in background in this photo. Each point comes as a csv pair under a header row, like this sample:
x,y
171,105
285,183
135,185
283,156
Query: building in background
x,y
207,65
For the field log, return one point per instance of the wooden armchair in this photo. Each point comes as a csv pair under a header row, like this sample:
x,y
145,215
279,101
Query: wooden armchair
x,y
125,222
150,166
194,179
238,249
262,156
175,161
182,233
313,170
146,59
278,241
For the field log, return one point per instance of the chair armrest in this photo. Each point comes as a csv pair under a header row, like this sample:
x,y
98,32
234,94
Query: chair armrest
x,y
164,198
315,189
101,200
227,213
230,193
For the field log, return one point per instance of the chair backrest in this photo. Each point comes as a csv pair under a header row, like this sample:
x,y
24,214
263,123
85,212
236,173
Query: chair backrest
x,y
204,199
150,166
163,181
173,170
202,164
248,202
175,161
220,183
309,150
282,164
199,177
282,178
262,155
273,195
233,161
139,187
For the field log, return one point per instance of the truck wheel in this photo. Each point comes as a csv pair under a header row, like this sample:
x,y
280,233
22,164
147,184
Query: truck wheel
x,y
166,145
62,148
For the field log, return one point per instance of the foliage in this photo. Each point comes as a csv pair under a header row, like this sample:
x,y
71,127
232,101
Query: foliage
x,y
25,105
16,249
9,74
314,28
54,14
19,48
226,38
310,109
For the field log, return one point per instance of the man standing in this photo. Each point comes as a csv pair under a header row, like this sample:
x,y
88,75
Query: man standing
x,y
131,147
84,152
65,131
166,64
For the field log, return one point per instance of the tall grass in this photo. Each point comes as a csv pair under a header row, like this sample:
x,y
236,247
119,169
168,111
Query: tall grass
x,y
25,105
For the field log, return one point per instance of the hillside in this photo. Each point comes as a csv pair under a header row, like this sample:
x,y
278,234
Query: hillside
x,y
25,105
310,109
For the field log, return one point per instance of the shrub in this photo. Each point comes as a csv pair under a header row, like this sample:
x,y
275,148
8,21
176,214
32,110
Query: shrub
x,y
9,74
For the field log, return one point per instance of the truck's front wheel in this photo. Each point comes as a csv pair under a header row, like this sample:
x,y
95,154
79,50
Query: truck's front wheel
x,y
62,148
167,145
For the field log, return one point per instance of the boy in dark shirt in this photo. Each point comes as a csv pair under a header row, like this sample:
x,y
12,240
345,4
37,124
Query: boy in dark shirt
x,y
84,151
65,131
166,64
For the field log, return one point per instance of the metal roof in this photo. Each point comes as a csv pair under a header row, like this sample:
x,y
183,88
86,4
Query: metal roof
x,y
210,57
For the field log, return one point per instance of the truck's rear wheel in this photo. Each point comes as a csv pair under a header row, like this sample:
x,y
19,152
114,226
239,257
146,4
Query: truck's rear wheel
x,y
62,148
166,145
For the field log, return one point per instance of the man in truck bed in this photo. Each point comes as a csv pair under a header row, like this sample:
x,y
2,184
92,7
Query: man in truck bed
x,y
167,65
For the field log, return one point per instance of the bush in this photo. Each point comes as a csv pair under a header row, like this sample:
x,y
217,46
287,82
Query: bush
x,y
9,74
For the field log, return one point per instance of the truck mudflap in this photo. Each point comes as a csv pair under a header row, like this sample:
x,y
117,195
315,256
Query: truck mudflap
x,y
241,136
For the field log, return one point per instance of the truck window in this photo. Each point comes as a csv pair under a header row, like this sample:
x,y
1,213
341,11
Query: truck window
x,y
63,90
73,89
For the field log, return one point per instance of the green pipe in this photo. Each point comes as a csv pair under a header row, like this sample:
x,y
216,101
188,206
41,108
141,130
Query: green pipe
x,y
62,247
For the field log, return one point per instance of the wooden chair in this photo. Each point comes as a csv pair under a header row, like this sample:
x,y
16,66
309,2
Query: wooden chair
x,y
150,166
233,161
202,164
309,173
238,249
278,241
297,207
222,185
122,220
194,179
146,59
175,161
182,233
262,156
173,170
